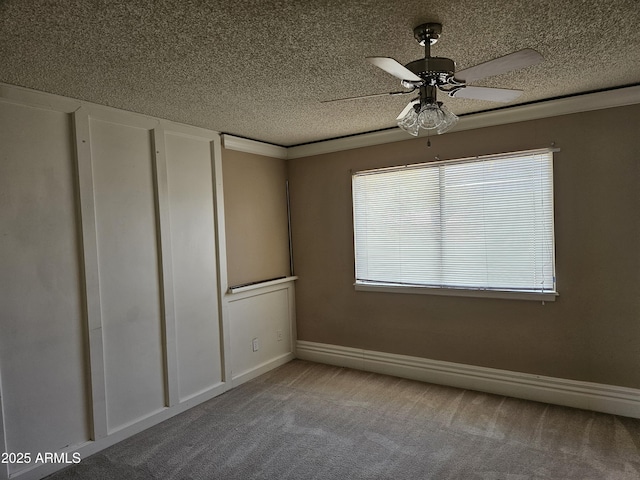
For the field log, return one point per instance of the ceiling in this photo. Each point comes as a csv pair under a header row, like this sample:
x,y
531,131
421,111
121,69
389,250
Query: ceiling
x,y
261,69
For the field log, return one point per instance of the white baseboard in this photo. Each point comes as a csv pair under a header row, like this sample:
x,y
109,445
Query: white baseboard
x,y
589,396
243,377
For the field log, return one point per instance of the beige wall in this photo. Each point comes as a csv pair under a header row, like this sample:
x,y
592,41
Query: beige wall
x,y
591,332
255,204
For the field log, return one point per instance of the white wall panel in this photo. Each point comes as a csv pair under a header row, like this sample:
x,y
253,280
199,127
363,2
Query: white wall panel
x,y
123,178
42,354
193,241
265,313
112,268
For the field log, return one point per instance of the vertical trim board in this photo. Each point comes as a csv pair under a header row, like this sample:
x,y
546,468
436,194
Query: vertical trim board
x,y
165,261
221,251
291,294
89,247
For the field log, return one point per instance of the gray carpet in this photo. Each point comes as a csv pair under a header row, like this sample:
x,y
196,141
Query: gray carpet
x,y
311,421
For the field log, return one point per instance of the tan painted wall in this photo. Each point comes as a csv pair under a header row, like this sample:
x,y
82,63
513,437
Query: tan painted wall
x,y
591,332
255,204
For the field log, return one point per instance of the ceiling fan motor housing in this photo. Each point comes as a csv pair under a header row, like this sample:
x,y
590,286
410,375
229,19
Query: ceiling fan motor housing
x,y
439,69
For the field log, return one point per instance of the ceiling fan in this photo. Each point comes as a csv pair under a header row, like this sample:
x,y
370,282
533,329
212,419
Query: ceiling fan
x,y
430,74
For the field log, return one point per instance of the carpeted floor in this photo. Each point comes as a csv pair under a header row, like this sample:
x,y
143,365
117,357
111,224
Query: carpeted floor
x,y
311,421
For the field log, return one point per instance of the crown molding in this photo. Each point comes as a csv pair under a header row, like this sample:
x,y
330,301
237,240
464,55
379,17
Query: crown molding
x,y
253,146
519,113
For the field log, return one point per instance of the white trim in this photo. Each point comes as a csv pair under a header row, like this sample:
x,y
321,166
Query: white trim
x,y
572,393
552,108
253,146
221,256
90,272
349,143
261,369
519,113
293,327
34,98
255,286
456,292
50,101
163,236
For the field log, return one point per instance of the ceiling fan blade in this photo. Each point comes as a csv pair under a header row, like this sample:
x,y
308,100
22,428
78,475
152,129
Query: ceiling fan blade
x,y
513,61
407,108
395,68
486,93
392,94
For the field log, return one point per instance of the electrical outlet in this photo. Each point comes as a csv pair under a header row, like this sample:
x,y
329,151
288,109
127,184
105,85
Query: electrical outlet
x,y
279,335
254,344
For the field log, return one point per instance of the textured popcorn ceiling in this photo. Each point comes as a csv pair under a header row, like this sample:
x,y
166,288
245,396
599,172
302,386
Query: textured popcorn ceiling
x,y
259,69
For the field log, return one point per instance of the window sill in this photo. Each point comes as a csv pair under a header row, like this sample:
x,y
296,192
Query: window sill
x,y
257,285
456,292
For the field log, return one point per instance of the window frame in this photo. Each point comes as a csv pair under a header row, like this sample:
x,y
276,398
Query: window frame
x,y
384,287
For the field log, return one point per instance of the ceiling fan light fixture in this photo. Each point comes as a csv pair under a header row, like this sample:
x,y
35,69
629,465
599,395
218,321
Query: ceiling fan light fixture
x,y
449,119
409,123
429,116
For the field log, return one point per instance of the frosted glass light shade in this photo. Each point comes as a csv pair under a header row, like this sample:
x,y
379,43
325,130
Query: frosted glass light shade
x,y
431,116
449,119
409,123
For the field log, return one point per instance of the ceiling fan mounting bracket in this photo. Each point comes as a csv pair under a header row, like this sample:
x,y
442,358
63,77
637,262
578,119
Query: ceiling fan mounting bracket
x,y
427,32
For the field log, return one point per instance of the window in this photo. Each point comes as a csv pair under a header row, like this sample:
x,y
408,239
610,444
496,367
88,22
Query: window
x,y
464,226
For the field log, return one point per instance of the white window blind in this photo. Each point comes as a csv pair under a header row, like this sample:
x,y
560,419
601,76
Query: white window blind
x,y
483,223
